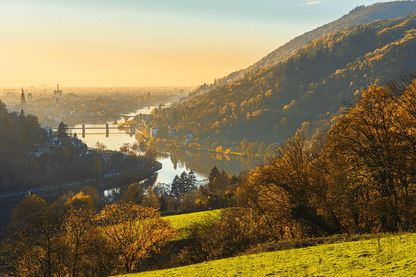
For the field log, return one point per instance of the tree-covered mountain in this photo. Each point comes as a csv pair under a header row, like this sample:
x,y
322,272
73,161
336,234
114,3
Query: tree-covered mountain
x,y
359,15
304,91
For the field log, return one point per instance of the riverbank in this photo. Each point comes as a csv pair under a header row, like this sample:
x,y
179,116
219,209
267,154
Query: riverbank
x,y
170,144
135,170
112,169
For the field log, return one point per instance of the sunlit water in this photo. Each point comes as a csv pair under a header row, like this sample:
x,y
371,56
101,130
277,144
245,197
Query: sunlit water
x,y
114,141
145,110
117,138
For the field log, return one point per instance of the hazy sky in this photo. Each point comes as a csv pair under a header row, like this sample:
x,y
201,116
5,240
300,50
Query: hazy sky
x,y
148,43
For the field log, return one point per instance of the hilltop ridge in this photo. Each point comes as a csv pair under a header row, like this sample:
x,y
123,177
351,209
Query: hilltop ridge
x,y
305,91
358,15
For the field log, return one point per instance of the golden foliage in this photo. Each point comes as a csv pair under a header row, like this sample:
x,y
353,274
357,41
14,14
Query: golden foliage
x,y
134,232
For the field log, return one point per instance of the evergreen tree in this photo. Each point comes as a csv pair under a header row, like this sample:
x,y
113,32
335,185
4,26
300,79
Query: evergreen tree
x,y
183,182
163,205
175,187
215,172
62,130
190,181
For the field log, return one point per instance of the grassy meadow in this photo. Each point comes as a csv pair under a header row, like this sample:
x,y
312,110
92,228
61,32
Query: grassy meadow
x,y
182,221
388,256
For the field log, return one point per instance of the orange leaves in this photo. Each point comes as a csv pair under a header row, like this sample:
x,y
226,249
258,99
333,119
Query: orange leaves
x,y
134,232
31,203
375,144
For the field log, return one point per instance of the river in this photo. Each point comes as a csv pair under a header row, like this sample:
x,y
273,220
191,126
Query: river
x,y
174,161
117,138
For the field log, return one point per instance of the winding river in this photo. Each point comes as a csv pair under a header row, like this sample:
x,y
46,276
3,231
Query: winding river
x,y
117,138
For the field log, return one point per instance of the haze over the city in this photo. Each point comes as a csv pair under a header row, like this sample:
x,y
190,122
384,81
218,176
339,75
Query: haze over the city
x,y
148,43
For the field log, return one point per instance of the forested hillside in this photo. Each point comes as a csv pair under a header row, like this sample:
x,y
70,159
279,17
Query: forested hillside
x,y
358,15
18,135
305,91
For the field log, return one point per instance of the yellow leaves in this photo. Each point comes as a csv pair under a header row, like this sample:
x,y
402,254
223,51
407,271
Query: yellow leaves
x,y
31,203
80,200
373,142
305,125
257,113
216,125
132,231
339,71
287,107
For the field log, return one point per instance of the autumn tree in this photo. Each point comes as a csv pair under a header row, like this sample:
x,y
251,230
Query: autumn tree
x,y
134,232
126,147
36,232
231,232
151,153
100,146
133,194
135,148
150,199
143,145
79,233
376,141
102,260
74,201
284,190
94,195
261,150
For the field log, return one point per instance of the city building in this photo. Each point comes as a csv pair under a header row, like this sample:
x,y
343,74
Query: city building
x,y
22,98
57,92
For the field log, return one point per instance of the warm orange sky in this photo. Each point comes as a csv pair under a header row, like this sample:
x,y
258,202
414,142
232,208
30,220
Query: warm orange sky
x,y
147,43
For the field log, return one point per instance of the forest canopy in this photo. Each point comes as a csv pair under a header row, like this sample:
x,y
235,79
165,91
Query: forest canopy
x,y
358,178
305,91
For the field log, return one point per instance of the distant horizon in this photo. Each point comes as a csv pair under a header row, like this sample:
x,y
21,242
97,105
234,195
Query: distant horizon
x,y
114,87
143,43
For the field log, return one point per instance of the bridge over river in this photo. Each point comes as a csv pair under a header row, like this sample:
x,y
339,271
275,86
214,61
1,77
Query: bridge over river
x,y
132,129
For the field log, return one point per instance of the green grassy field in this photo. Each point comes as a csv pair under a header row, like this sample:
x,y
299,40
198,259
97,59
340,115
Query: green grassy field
x,y
390,256
182,221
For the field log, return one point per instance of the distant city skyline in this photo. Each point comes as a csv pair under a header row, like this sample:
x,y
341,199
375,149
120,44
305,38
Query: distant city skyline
x,y
148,43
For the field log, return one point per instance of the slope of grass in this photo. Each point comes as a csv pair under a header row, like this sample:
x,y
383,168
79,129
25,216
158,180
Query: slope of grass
x,y
182,221
390,256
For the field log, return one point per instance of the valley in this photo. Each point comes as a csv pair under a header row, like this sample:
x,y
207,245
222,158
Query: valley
x,y
300,164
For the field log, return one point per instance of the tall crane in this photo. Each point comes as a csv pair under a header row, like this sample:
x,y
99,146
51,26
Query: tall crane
x,y
46,85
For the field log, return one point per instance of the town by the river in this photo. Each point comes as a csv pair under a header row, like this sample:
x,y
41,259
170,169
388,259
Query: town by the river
x,y
172,162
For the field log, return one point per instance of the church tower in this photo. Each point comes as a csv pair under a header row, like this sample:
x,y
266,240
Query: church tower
x,y
22,98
